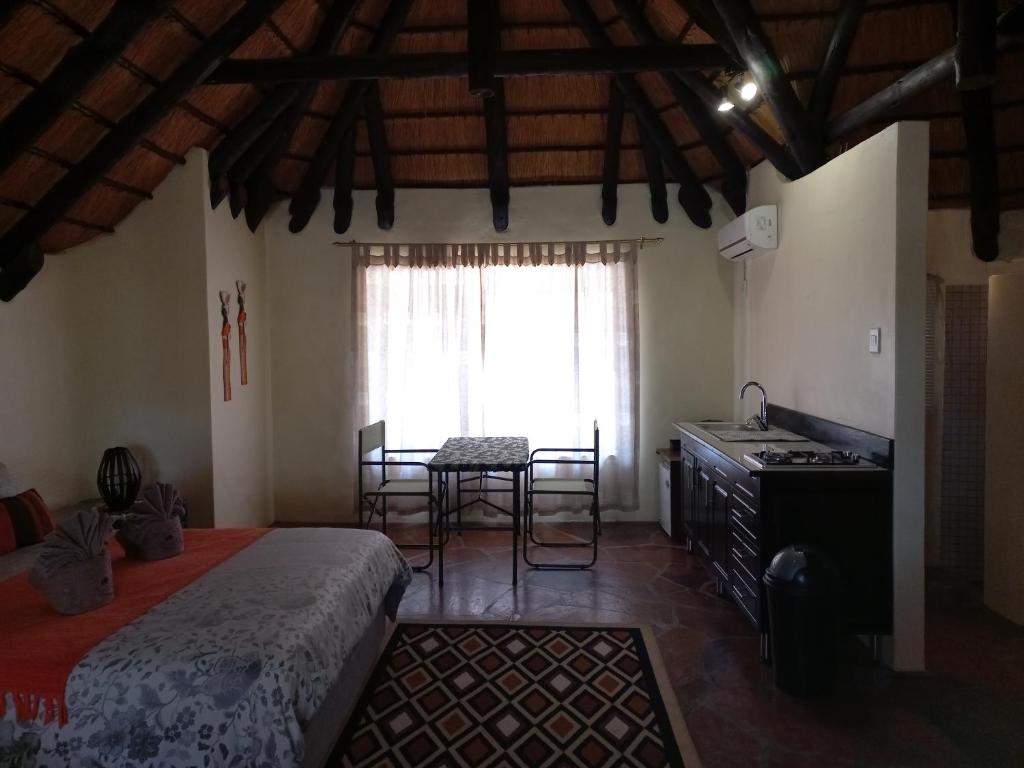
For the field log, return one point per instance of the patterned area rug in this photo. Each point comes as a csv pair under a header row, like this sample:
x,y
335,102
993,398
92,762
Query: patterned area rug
x,y
516,696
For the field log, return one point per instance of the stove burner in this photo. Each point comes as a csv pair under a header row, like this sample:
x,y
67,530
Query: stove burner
x,y
775,458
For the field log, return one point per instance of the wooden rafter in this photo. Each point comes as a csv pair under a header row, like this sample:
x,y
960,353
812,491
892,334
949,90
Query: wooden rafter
x,y
484,29
655,179
831,69
343,173
704,13
692,196
483,43
531,63
306,199
975,57
734,184
381,159
81,66
757,53
260,132
612,144
936,70
983,162
21,238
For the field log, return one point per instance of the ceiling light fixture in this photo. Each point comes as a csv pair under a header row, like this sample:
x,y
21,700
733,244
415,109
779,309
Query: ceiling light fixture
x,y
748,90
725,105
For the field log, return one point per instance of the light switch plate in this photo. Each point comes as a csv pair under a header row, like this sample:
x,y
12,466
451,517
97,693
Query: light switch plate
x,y
875,341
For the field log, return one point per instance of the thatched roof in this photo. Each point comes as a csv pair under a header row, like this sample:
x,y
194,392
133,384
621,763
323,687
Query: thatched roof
x,y
435,128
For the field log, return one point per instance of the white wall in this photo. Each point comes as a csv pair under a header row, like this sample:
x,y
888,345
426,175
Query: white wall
x,y
240,429
851,257
685,322
105,352
949,247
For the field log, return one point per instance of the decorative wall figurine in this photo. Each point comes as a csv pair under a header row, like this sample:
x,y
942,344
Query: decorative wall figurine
x,y
225,337
242,360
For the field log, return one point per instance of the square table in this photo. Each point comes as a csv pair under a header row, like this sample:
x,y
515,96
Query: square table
x,y
485,454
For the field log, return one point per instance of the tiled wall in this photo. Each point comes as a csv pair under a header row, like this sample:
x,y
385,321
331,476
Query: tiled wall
x,y
963,431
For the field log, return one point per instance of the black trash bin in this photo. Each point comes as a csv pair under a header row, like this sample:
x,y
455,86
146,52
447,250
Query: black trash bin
x,y
803,618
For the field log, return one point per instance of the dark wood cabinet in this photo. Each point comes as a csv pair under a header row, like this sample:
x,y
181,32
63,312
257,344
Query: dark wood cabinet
x,y
736,519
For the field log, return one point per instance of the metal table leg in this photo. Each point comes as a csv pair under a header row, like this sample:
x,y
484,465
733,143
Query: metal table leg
x,y
515,527
442,523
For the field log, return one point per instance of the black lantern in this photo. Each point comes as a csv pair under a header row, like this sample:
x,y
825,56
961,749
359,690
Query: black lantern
x,y
118,479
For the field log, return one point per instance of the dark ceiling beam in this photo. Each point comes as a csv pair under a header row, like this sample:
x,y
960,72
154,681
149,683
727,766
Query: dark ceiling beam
x,y
692,196
530,63
82,64
655,179
831,69
344,172
378,137
936,70
612,145
307,197
7,9
704,13
983,161
483,44
484,48
975,57
742,123
21,238
734,185
264,118
764,66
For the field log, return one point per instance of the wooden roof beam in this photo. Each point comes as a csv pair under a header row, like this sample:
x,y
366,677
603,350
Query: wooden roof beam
x,y
612,146
975,59
484,43
55,203
704,13
655,178
764,66
734,184
385,182
343,178
692,196
983,162
831,69
483,40
82,64
307,197
263,118
1008,33
528,63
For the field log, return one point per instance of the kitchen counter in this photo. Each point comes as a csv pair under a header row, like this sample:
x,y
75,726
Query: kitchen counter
x,y
734,451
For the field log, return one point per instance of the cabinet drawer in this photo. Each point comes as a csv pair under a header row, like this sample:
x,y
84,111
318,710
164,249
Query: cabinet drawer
x,y
745,557
748,598
744,517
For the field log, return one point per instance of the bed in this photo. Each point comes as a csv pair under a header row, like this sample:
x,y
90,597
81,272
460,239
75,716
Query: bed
x,y
257,662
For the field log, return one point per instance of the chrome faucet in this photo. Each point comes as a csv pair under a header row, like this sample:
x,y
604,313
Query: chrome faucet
x,y
762,419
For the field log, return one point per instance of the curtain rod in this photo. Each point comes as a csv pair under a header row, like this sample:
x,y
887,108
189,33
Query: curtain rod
x,y
643,242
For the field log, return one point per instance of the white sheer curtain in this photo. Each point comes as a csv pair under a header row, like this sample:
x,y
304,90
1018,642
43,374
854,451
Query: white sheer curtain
x,y
462,344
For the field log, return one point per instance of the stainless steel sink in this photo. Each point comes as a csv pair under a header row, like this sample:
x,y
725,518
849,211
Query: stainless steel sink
x,y
732,432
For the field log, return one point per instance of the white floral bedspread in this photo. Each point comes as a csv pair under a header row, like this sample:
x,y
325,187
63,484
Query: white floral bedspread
x,y
227,671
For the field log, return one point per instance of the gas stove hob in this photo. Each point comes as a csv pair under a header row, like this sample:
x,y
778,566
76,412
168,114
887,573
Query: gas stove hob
x,y
824,459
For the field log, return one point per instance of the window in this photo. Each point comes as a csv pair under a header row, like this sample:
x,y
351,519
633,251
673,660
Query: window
x,y
539,347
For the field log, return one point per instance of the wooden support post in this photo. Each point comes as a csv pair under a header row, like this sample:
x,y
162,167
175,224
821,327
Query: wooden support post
x,y
91,168
983,158
655,179
484,47
843,34
497,156
612,145
734,182
267,116
307,197
343,172
976,44
760,59
82,64
381,159
692,196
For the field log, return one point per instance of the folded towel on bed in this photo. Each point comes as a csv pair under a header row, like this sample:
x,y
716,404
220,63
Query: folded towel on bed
x,y
153,530
73,568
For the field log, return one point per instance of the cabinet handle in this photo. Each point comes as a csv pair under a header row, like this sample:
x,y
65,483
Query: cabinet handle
x,y
720,473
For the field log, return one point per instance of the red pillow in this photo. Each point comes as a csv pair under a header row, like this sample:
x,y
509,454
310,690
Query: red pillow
x,y
24,520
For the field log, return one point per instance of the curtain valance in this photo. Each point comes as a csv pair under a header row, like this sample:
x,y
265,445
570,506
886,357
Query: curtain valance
x,y
434,255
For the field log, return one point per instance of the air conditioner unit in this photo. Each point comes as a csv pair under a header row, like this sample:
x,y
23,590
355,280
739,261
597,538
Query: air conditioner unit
x,y
754,232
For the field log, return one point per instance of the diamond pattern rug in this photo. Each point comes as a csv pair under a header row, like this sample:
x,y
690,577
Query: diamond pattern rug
x,y
515,696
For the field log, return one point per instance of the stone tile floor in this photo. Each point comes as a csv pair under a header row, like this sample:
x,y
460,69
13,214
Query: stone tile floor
x,y
966,710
